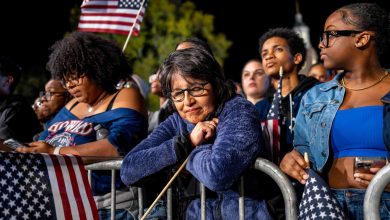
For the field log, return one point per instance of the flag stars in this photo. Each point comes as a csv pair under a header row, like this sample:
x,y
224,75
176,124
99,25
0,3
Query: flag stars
x,y
37,215
25,216
48,213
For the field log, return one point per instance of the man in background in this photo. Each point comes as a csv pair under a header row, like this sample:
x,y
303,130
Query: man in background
x,y
17,119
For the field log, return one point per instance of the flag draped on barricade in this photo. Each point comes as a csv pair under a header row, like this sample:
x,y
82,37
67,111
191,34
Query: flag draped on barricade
x,y
317,200
44,186
112,16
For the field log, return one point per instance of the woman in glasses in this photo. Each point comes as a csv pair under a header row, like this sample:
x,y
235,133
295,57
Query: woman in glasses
x,y
214,128
340,122
89,68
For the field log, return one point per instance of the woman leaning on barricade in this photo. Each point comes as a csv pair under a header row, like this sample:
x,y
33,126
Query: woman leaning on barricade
x,y
340,122
216,129
100,121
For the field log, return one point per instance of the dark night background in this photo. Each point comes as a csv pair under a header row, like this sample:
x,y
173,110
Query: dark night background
x,y
28,28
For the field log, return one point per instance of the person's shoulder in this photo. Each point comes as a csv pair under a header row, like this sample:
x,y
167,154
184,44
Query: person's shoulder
x,y
130,98
239,103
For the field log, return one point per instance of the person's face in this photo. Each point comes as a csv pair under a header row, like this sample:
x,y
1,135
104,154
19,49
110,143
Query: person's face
x,y
155,86
39,110
275,54
318,72
196,107
339,49
184,45
254,80
82,88
54,98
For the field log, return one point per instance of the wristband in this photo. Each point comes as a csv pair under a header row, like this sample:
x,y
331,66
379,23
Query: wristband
x,y
57,150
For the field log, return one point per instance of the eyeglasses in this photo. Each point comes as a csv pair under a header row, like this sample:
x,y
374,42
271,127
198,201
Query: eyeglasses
x,y
335,33
73,81
195,91
48,95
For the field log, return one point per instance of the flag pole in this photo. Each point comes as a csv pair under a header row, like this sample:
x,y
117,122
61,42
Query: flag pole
x,y
132,26
165,189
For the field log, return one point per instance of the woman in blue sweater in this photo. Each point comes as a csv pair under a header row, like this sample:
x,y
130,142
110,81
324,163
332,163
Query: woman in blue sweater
x,y
216,129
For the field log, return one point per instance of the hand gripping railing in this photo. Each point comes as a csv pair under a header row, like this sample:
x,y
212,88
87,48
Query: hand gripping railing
x,y
284,184
374,192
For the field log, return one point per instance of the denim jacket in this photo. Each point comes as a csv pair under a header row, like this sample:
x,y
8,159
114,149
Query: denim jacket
x,y
386,122
314,121
315,117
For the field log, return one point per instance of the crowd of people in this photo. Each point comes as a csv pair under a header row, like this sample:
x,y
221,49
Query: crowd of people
x,y
336,113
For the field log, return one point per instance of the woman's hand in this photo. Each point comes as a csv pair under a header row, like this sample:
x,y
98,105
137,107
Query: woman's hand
x,y
364,179
294,165
37,147
203,131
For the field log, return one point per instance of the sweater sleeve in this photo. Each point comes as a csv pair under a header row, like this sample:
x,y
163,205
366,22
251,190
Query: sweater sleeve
x,y
153,154
218,165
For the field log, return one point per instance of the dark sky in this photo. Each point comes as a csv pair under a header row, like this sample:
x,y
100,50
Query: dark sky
x,y
28,28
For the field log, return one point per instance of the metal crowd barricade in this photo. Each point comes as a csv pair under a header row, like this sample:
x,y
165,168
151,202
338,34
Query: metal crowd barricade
x,y
374,192
261,164
290,201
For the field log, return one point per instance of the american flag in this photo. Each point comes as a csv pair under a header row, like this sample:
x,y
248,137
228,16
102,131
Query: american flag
x,y
271,126
317,200
43,186
111,16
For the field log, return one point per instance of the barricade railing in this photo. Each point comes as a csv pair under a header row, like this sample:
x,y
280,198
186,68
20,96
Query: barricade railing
x,y
374,192
261,164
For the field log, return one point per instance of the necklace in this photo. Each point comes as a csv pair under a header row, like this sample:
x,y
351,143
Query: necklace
x,y
91,108
367,87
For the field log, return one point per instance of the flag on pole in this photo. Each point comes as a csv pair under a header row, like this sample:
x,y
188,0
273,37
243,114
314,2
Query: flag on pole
x,y
111,16
43,186
271,126
317,200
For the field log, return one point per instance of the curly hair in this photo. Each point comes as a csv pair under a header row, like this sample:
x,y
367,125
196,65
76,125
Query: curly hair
x,y
294,41
194,63
85,53
369,17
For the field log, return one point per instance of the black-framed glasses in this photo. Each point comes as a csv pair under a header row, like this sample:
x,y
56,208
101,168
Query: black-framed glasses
x,y
48,95
195,91
72,81
324,39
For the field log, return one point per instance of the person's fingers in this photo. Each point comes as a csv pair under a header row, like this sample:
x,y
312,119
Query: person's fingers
x,y
299,159
363,176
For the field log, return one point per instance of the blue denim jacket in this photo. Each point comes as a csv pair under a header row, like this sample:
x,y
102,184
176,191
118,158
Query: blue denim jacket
x,y
315,117
314,121
386,122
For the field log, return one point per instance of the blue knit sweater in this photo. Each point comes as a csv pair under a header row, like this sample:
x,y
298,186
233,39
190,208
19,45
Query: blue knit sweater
x,y
216,164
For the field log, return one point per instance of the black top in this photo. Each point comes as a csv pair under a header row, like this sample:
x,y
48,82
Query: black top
x,y
17,119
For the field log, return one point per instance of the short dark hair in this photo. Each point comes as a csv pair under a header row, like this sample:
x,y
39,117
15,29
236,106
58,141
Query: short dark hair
x,y
85,53
9,67
196,64
294,41
197,43
369,17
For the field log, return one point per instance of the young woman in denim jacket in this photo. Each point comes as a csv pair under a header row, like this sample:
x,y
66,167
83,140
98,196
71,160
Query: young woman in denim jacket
x,y
342,119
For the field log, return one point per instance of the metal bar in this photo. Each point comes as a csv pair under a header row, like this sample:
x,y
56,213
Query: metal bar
x,y
113,194
202,201
106,165
241,199
374,192
284,184
140,202
169,203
